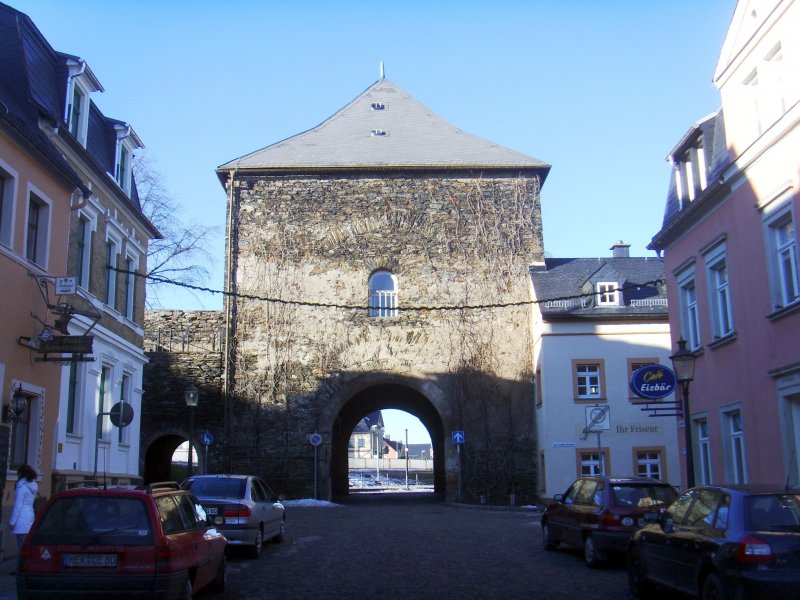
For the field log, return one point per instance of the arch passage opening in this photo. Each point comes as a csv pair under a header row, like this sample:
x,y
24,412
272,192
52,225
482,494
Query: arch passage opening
x,y
163,461
390,450
365,406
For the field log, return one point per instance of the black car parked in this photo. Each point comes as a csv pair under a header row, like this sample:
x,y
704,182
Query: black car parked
x,y
599,514
721,542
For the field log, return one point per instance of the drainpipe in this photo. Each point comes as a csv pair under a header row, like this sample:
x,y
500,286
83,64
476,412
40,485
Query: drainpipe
x,y
230,316
84,196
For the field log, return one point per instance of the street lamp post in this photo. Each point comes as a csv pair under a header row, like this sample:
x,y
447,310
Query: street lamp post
x,y
406,459
191,395
683,362
378,431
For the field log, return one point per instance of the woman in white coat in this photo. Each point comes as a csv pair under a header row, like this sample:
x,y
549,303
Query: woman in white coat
x,y
24,496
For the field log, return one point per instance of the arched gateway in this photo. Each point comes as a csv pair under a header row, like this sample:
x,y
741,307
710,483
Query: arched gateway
x,y
380,396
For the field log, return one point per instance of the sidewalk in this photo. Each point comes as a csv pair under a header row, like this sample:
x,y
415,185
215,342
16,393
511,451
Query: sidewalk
x,y
8,583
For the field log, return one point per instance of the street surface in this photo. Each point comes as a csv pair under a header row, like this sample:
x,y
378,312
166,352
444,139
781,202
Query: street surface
x,y
410,546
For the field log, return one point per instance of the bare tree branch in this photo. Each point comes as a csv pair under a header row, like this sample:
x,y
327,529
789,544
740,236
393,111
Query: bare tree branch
x,y
182,255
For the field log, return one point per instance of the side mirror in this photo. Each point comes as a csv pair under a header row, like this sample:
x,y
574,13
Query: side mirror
x,y
558,498
667,522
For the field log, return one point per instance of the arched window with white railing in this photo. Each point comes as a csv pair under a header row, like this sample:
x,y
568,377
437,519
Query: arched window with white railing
x,y
382,294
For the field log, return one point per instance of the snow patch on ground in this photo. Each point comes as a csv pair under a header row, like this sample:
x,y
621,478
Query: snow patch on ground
x,y
309,502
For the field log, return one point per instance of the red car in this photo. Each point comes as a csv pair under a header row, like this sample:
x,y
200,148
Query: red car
x,y
154,542
599,514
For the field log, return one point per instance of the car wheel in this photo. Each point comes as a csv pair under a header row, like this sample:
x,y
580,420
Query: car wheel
x,y
713,589
548,541
281,533
638,583
218,585
258,544
591,555
188,590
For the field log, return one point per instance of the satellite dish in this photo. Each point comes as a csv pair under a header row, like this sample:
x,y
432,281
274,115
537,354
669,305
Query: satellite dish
x,y
121,414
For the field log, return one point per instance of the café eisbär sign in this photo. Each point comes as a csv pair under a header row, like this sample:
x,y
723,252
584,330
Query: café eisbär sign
x,y
653,382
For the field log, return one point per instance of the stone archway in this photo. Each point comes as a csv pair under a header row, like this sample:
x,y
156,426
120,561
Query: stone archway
x,y
378,397
158,458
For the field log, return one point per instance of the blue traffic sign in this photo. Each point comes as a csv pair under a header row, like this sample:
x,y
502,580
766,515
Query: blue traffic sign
x,y
458,437
206,439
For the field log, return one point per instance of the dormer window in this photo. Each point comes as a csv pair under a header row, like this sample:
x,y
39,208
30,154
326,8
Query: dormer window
x,y
123,166
80,83
78,111
690,172
127,143
608,294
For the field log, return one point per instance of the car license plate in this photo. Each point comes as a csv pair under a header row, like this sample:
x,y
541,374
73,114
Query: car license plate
x,y
90,560
212,511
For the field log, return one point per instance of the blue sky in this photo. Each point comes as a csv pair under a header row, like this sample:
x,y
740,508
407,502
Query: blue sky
x,y
602,90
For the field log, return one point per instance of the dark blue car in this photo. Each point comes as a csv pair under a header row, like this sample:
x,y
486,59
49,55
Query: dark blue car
x,y
721,542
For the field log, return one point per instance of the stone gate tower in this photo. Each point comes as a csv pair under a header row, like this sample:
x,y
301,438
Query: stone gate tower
x,y
381,260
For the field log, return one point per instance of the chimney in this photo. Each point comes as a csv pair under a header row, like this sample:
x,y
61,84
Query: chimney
x,y
620,250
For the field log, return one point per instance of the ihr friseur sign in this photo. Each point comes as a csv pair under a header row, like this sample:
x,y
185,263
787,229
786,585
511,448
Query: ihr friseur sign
x,y
67,344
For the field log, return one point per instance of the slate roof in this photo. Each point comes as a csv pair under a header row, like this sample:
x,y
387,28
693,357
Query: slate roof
x,y
33,85
715,146
18,114
401,134
364,425
571,282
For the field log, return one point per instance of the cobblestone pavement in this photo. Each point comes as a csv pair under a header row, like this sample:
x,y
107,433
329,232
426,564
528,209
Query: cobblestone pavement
x,y
401,548
409,547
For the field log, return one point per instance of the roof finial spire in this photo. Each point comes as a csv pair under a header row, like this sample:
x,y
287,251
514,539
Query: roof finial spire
x,y
383,73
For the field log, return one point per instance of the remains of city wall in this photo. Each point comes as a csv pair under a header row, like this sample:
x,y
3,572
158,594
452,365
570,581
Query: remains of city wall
x,y
304,248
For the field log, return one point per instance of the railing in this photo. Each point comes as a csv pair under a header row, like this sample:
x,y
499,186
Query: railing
x,y
650,302
174,340
383,304
565,304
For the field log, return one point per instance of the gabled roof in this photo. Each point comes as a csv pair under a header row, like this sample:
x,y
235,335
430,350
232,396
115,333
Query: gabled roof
x,y
385,127
749,17
571,282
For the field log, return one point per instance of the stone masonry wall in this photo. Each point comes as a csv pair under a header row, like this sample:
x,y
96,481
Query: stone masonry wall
x,y
451,241
195,356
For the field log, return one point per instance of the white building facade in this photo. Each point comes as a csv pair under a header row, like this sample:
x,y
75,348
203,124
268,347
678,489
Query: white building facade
x,y
597,321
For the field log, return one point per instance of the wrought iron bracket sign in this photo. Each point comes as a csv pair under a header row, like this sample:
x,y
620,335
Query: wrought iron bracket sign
x,y
653,382
56,348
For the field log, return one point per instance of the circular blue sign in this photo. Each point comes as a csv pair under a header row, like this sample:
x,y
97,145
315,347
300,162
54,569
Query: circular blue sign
x,y
207,439
653,382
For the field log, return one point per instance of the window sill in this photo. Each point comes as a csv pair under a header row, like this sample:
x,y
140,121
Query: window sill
x,y
589,400
784,312
723,341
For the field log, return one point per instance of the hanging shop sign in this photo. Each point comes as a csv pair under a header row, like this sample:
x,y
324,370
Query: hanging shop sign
x,y
653,382
67,344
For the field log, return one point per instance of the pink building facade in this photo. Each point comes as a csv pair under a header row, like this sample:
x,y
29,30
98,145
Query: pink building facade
x,y
730,247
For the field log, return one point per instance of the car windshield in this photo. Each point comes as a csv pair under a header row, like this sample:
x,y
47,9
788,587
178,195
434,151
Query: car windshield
x,y
87,520
642,495
217,487
778,512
